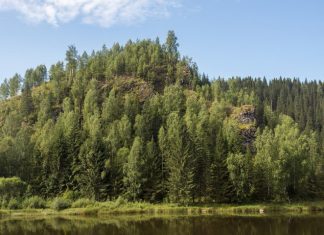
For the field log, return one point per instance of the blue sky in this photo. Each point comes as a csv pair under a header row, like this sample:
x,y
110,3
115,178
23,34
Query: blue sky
x,y
225,37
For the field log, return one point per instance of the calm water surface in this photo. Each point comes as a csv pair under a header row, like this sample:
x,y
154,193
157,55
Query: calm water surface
x,y
200,225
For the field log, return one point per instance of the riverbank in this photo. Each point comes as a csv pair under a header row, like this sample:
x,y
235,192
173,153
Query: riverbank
x,y
111,208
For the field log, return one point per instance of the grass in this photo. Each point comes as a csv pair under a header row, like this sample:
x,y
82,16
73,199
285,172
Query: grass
x,y
136,208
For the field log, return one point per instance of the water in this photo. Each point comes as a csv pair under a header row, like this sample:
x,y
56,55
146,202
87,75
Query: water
x,y
200,225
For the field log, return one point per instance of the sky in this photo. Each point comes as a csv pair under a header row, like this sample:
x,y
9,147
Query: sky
x,y
258,38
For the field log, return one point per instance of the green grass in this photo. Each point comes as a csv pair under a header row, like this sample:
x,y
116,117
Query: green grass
x,y
129,208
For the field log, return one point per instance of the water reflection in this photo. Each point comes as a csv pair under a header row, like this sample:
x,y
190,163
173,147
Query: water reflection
x,y
216,225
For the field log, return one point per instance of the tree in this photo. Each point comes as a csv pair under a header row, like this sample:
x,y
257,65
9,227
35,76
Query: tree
x,y
92,158
111,108
175,147
26,102
152,186
239,168
133,179
35,77
293,159
91,155
39,75
264,163
114,172
285,161
173,100
171,47
4,90
219,184
196,118
72,138
72,60
131,106
90,106
23,151
57,78
14,84
45,110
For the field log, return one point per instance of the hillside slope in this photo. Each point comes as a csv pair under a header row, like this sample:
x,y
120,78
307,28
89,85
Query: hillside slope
x,y
139,121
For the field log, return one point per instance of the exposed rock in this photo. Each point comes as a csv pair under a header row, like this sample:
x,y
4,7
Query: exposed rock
x,y
248,136
123,85
245,116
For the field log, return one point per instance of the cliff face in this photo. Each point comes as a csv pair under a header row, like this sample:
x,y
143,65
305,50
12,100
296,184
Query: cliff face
x,y
126,85
246,118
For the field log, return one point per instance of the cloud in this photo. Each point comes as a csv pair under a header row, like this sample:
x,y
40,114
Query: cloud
x,y
103,12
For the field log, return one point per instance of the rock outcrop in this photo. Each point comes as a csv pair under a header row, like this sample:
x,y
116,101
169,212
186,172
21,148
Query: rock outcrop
x,y
246,118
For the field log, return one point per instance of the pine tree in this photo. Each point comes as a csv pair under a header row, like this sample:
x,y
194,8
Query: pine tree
x,y
26,103
111,108
179,161
92,158
4,90
219,185
72,60
14,85
133,179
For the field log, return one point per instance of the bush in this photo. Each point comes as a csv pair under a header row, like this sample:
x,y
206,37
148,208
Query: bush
x,y
83,203
3,203
71,195
12,187
13,204
34,202
120,201
60,203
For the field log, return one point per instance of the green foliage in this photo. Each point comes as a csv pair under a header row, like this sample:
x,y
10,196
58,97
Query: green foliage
x,y
71,195
240,174
219,184
138,120
4,203
14,204
111,108
175,147
264,163
120,201
133,179
71,58
4,90
83,203
34,202
12,187
285,160
26,102
60,203
14,85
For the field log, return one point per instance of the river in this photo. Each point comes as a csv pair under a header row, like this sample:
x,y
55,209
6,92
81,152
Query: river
x,y
168,225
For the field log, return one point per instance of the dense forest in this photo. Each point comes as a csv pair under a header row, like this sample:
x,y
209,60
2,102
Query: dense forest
x,y
139,121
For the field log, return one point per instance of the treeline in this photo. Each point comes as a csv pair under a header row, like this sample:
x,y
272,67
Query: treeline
x,y
139,121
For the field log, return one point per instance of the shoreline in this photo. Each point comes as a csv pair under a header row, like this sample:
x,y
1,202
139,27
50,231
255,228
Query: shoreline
x,y
172,209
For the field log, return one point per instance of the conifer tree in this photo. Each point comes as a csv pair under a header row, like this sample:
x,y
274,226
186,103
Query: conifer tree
x,y
133,178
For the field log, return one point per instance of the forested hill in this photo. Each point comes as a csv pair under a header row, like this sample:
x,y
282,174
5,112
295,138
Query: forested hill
x,y
140,121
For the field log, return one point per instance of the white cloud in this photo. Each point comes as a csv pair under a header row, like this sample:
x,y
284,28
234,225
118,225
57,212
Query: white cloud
x,y
103,12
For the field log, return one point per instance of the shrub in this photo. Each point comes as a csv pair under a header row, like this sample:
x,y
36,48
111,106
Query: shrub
x,y
71,195
83,203
34,202
3,203
13,204
12,187
120,201
60,203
